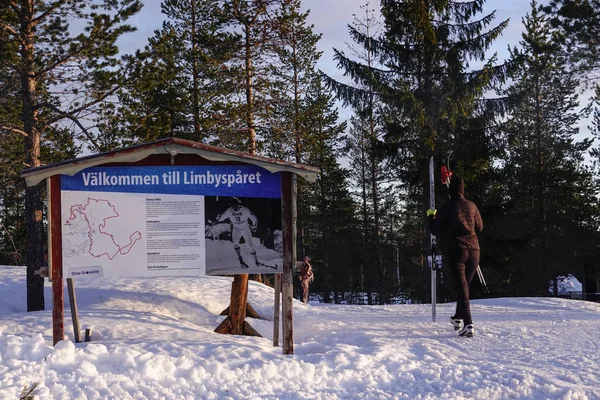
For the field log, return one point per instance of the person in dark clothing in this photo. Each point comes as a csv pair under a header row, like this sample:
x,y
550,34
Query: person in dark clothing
x,y
457,223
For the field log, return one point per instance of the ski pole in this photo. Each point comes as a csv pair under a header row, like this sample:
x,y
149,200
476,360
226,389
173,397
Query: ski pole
x,y
482,279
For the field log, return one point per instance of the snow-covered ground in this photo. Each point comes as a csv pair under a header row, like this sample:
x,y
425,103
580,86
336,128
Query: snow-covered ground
x,y
153,339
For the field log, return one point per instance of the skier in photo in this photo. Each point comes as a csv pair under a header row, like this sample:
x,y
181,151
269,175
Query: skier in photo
x,y
458,221
243,223
306,277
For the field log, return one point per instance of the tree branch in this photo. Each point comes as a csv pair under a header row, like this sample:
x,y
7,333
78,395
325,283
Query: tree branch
x,y
14,6
81,108
12,31
68,58
49,11
12,129
73,118
9,28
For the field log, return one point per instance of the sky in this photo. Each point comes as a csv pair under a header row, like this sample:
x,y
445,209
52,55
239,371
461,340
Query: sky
x,y
152,338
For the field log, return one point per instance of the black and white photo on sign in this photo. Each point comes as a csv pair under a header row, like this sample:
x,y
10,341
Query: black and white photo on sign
x,y
243,235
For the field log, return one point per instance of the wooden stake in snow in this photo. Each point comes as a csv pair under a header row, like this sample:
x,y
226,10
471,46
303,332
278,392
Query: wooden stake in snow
x,y
276,310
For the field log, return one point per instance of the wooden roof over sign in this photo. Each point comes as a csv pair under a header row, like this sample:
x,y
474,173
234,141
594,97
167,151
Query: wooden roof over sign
x,y
172,146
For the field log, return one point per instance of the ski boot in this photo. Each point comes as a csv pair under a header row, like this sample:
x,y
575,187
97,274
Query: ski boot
x,y
467,331
457,323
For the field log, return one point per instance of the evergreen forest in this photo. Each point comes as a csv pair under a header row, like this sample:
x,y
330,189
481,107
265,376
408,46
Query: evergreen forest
x,y
421,80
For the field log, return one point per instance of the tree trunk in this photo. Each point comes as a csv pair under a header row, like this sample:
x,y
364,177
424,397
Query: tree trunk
x,y
195,75
541,204
250,95
298,152
33,199
374,188
239,288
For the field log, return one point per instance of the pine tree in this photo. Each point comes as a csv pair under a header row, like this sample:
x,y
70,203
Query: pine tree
x,y
153,102
252,21
293,74
289,136
63,75
549,204
179,84
12,188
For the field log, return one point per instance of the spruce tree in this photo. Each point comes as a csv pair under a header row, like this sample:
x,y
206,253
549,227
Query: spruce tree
x,y
360,151
549,209
363,30
578,22
329,223
430,73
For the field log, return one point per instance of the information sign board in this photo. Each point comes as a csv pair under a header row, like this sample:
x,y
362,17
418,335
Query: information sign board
x,y
170,221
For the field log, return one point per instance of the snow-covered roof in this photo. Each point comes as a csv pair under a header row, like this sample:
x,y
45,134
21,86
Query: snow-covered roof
x,y
172,146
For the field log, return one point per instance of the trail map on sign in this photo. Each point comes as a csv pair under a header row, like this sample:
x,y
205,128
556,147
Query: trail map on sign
x,y
94,228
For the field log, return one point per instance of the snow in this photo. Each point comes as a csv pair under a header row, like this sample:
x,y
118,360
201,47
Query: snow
x,y
153,339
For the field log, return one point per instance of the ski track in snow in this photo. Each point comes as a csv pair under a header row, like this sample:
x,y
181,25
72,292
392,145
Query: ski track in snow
x,y
153,339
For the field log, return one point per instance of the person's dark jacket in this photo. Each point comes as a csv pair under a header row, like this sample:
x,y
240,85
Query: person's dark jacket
x,y
458,221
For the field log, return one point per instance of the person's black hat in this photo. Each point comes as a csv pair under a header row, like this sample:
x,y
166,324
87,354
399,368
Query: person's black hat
x,y
457,186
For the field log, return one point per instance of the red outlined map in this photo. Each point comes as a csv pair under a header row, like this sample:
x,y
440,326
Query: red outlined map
x,y
97,229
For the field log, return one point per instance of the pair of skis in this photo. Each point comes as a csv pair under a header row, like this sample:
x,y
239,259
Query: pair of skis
x,y
261,264
434,260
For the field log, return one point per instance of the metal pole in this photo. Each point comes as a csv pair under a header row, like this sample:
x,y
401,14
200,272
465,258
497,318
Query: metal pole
x,y
74,312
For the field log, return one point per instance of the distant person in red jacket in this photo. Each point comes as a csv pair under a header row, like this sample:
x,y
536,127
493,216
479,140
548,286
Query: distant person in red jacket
x,y
457,222
306,277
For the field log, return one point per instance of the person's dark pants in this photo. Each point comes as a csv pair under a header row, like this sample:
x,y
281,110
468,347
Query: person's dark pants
x,y
463,264
305,283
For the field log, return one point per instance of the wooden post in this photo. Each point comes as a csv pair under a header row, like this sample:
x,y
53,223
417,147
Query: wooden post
x,y
276,306
237,305
250,312
288,211
55,259
235,323
74,313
